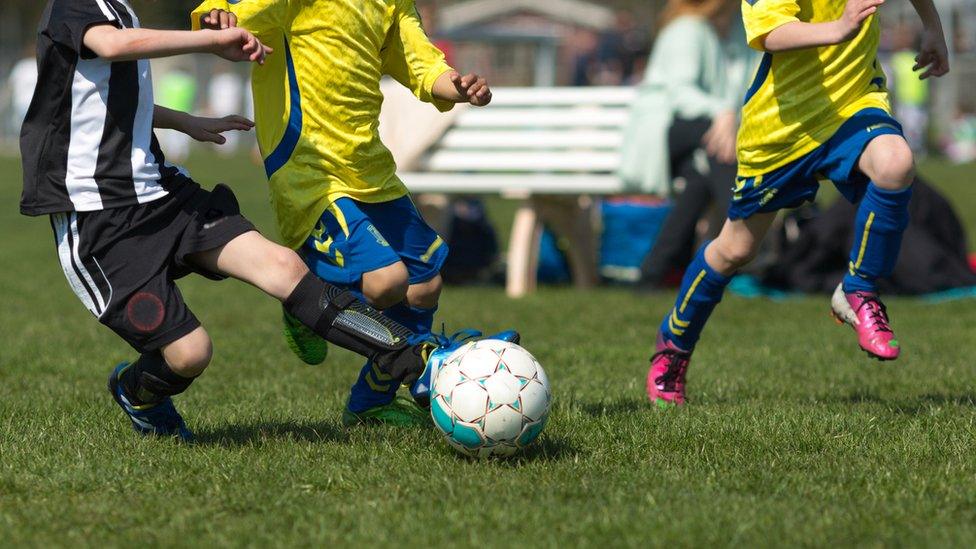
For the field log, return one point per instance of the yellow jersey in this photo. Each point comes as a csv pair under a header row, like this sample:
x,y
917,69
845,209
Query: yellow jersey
x,y
800,98
317,98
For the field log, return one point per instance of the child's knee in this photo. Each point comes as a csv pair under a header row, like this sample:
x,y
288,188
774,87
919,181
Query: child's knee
x,y
893,165
289,266
386,287
426,295
190,355
735,253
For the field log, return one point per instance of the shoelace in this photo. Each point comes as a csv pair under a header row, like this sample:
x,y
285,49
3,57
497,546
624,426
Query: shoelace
x,y
677,365
878,311
443,340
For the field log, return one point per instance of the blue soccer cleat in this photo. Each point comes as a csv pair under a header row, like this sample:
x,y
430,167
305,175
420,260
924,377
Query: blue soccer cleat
x,y
444,347
152,419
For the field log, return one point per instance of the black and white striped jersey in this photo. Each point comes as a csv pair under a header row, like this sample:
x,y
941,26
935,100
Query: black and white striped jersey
x,y
87,142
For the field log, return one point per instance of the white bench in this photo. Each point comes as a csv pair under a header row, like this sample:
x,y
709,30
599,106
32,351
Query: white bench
x,y
552,148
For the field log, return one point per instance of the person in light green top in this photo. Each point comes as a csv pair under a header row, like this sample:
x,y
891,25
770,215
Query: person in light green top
x,y
699,69
910,94
684,121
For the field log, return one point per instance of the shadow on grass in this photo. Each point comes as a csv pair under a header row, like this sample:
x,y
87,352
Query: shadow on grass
x,y
615,408
550,448
546,449
246,434
910,406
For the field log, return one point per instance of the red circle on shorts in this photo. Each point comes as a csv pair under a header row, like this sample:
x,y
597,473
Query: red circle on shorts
x,y
145,311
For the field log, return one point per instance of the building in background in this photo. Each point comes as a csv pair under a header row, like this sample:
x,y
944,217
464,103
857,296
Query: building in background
x,y
525,42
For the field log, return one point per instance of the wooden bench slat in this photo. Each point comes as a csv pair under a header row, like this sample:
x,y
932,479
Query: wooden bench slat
x,y
533,140
543,118
507,183
563,96
550,161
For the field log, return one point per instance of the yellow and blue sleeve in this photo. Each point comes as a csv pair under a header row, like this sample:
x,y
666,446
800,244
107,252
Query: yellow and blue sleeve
x,y
761,17
411,59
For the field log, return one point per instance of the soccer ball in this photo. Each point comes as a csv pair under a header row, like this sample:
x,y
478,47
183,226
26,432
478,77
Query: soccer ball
x,y
490,398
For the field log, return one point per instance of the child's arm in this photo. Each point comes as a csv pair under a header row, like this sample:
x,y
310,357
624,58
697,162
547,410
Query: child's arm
x,y
453,87
114,44
933,55
265,18
797,35
206,130
414,61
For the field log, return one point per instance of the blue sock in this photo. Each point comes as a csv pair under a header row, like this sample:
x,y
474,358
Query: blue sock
x,y
701,290
374,388
419,321
881,220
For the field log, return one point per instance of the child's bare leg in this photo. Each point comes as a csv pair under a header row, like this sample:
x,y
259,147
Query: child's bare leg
x,y
889,162
738,243
334,314
386,287
425,295
190,355
254,259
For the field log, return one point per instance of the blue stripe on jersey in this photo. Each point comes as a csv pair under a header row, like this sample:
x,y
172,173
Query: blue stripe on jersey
x,y
282,153
761,75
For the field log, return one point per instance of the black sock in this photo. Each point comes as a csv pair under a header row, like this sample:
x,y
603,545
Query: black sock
x,y
150,380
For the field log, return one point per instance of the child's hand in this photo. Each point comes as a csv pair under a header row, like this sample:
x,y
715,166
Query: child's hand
x,y
933,55
218,20
237,44
208,130
855,13
720,139
472,88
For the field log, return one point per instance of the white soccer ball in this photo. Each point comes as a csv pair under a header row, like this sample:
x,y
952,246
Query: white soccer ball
x,y
490,398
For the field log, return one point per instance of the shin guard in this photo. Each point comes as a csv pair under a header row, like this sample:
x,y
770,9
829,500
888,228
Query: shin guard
x,y
341,318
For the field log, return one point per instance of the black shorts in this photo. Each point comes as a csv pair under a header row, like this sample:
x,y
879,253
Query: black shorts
x,y
122,263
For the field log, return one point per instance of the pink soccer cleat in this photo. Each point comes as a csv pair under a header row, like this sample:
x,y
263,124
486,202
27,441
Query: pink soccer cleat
x,y
864,312
666,378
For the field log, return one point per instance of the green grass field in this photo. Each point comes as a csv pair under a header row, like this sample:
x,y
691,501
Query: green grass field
x,y
794,437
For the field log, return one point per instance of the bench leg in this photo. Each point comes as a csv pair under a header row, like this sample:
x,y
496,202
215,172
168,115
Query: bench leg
x,y
523,251
572,219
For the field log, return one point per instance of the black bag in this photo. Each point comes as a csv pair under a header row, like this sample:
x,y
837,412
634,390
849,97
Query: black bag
x,y
933,254
474,244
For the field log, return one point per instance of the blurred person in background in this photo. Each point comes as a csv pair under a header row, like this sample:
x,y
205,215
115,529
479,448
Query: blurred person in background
x,y
910,95
176,90
684,121
225,96
584,45
620,47
611,57
21,83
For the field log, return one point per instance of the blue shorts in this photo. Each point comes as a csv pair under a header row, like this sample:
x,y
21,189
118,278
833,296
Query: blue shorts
x,y
353,238
797,182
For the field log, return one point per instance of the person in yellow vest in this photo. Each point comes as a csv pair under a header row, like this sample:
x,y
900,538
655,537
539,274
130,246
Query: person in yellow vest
x,y
334,189
911,95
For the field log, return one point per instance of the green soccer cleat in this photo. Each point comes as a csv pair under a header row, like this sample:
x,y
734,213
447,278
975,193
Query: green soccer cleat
x,y
306,344
402,412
